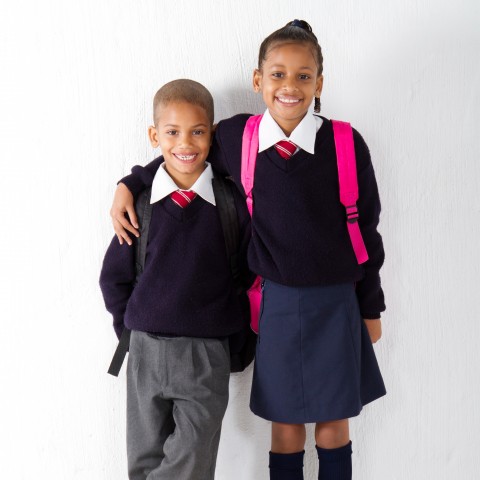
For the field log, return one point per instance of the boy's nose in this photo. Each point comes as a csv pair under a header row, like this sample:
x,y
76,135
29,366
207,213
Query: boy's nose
x,y
184,141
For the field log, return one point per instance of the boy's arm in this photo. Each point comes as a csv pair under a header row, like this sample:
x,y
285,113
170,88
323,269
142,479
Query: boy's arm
x,y
123,212
369,290
117,280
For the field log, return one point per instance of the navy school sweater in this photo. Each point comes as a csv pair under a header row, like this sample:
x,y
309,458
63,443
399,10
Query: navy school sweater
x,y
299,232
186,288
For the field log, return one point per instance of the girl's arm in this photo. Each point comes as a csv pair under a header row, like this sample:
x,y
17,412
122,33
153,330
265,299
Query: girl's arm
x,y
369,290
128,188
374,328
224,160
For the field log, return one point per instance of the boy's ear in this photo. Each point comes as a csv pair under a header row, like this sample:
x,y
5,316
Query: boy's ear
x,y
257,80
319,86
153,136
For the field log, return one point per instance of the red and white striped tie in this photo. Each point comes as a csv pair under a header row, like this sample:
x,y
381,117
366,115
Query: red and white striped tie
x,y
183,198
285,148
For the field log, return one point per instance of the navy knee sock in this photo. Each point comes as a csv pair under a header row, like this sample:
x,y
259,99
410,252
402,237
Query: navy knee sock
x,y
335,463
286,466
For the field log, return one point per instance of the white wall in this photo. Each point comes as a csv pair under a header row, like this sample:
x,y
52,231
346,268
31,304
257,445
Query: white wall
x,y
76,83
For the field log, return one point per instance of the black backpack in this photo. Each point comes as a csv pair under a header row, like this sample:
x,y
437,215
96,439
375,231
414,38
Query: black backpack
x,y
242,344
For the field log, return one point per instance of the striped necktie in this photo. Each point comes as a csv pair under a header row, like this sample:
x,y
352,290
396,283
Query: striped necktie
x,y
285,148
183,198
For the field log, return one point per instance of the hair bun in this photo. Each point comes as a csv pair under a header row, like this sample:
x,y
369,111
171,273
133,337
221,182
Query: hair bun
x,y
300,24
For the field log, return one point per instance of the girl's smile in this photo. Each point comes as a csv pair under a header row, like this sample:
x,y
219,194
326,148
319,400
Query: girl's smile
x,y
287,100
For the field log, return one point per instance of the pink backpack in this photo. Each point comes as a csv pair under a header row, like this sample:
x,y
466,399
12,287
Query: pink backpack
x,y
347,176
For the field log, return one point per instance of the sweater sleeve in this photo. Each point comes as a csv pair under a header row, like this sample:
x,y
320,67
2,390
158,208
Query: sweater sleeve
x,y
142,177
226,150
117,280
245,234
369,290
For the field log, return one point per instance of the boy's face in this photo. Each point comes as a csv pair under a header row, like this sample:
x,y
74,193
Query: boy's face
x,y
184,133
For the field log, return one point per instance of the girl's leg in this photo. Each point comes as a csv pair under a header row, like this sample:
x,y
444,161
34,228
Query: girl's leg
x,y
288,437
332,434
334,450
286,457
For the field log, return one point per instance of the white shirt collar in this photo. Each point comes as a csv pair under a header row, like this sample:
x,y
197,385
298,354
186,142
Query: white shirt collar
x,y
269,133
163,185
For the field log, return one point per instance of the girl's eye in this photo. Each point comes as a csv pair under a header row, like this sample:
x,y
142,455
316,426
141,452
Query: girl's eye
x,y
172,132
198,132
277,75
304,76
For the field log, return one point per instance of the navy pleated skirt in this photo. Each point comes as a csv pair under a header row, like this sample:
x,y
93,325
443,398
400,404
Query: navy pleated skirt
x,y
314,359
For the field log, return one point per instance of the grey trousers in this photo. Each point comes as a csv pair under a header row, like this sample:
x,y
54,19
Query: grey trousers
x,y
177,394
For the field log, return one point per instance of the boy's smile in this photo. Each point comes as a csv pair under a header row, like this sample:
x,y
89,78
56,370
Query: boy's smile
x,y
183,132
288,81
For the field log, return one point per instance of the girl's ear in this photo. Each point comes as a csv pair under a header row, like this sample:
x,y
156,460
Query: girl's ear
x,y
319,86
153,136
257,80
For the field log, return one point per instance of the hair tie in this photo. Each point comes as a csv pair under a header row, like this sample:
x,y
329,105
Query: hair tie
x,y
300,24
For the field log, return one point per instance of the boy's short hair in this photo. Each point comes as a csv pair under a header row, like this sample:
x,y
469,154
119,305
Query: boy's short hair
x,y
184,90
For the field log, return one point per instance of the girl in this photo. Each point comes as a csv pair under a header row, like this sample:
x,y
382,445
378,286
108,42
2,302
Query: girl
x,y
314,362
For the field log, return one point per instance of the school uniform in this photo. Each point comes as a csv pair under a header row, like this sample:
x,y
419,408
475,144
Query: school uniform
x,y
314,358
180,312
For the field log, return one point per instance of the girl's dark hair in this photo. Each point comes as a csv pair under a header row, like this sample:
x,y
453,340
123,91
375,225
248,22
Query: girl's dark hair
x,y
297,31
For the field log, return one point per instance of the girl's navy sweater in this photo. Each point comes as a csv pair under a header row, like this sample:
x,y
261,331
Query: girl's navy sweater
x,y
186,288
299,232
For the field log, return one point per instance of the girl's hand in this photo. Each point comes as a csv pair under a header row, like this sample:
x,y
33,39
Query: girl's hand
x,y
374,328
123,204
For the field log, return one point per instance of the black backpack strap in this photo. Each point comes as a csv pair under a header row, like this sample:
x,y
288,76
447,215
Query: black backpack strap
x,y
143,209
225,202
242,344
120,352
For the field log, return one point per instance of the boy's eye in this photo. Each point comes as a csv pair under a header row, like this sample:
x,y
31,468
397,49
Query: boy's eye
x,y
198,132
277,74
172,132
304,76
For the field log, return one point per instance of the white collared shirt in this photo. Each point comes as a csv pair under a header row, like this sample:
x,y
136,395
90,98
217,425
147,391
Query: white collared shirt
x,y
304,135
163,185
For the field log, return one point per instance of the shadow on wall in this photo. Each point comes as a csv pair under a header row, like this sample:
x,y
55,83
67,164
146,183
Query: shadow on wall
x,y
245,430
233,101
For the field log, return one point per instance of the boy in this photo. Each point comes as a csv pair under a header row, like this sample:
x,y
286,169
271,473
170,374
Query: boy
x,y
184,305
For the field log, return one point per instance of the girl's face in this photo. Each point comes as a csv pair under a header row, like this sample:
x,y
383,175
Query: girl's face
x,y
288,81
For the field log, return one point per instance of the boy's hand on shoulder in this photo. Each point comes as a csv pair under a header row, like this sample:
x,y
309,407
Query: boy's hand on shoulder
x,y
374,328
123,204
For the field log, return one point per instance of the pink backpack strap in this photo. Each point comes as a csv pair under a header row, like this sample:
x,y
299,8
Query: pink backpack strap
x,y
249,157
247,174
347,176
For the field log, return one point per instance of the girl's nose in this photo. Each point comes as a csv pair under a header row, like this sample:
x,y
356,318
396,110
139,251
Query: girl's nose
x,y
290,84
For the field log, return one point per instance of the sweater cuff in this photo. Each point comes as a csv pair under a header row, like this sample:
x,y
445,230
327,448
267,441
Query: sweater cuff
x,y
133,183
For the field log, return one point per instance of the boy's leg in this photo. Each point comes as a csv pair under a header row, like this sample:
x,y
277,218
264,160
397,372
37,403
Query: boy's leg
x,y
149,416
199,371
